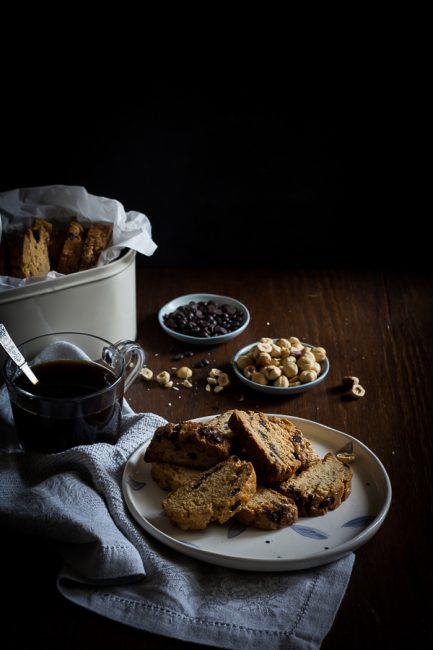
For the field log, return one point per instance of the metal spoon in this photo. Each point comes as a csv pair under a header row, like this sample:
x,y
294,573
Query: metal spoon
x,y
11,349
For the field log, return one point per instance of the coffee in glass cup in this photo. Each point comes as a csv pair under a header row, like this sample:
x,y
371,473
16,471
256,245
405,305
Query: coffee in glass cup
x,y
78,398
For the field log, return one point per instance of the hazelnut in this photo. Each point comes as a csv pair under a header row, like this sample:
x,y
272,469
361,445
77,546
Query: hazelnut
x,y
306,362
243,361
272,372
290,369
307,375
319,353
357,391
184,372
264,347
281,382
259,378
349,381
223,379
163,377
264,359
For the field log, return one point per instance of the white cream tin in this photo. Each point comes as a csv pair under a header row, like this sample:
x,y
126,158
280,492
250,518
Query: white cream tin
x,y
100,301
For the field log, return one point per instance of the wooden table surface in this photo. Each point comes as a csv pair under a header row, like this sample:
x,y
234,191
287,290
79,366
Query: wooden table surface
x,y
376,325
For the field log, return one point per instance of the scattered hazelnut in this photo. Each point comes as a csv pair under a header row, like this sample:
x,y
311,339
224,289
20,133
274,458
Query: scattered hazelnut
x,y
223,379
146,373
184,372
163,378
349,381
357,391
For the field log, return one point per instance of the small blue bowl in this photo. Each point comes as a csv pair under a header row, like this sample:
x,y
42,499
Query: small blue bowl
x,y
277,390
203,297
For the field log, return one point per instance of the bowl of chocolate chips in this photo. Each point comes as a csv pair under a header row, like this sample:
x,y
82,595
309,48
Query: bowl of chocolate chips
x,y
204,318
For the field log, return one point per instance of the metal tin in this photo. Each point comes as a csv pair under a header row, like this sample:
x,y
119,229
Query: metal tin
x,y
100,301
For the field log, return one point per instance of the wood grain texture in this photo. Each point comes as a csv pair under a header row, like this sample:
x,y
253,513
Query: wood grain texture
x,y
375,325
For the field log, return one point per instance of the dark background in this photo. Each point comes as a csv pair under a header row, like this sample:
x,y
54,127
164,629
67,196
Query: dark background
x,y
235,174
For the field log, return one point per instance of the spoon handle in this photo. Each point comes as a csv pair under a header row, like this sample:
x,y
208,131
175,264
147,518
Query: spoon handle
x,y
11,349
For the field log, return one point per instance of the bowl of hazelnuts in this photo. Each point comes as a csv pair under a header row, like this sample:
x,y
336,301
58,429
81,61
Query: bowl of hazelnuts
x,y
281,366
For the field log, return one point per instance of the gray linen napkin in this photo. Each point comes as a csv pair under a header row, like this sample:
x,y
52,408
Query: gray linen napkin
x,y
114,568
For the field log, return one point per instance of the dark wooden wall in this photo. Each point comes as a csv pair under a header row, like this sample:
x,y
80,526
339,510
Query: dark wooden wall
x,y
240,175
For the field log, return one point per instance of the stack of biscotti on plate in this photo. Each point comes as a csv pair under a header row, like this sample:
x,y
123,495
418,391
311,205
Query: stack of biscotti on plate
x,y
259,469
46,247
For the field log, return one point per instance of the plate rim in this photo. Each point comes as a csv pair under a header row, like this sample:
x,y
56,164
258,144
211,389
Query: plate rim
x,y
278,390
267,565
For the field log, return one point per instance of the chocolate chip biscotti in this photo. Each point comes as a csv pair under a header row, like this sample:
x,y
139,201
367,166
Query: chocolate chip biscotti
x,y
216,495
96,241
191,444
70,254
303,449
320,488
170,476
267,444
268,510
28,251
221,422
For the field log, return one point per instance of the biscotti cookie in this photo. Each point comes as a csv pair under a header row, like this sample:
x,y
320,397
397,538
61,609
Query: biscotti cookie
x,y
221,422
216,495
70,255
268,510
28,252
191,444
320,488
97,239
170,476
267,444
304,450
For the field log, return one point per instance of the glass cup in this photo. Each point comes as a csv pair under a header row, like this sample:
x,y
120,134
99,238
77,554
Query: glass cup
x,y
78,398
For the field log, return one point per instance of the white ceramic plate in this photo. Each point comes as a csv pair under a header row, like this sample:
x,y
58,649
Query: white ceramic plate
x,y
310,542
276,390
203,297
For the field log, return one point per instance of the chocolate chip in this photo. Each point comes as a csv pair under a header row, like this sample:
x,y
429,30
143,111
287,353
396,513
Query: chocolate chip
x,y
201,364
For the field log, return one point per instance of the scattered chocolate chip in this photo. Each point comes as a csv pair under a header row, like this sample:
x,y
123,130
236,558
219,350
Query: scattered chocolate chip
x,y
201,364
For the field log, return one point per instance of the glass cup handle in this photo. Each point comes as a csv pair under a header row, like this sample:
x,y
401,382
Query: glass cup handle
x,y
134,357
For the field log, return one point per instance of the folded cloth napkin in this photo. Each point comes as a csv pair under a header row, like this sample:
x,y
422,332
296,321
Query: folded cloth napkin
x,y
113,567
